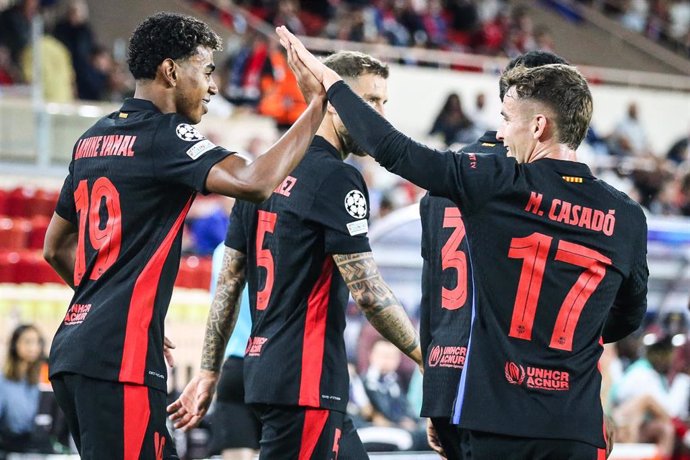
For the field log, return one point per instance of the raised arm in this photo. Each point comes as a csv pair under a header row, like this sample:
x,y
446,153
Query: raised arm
x,y
377,301
60,247
194,401
256,181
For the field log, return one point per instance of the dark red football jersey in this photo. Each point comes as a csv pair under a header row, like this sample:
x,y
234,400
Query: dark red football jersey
x,y
296,352
556,254
446,307
132,178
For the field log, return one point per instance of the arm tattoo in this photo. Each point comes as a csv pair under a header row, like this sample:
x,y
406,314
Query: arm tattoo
x,y
224,309
377,301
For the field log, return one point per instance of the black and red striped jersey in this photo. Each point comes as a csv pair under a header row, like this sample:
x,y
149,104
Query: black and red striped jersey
x,y
558,258
296,352
446,306
132,179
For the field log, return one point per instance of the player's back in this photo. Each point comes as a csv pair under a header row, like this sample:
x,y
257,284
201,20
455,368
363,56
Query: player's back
x,y
551,247
445,309
132,179
296,354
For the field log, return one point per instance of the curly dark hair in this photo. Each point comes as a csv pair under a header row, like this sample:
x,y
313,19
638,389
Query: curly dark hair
x,y
167,35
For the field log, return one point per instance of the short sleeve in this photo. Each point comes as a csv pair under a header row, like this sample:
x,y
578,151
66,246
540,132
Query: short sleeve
x,y
183,155
236,238
341,207
65,207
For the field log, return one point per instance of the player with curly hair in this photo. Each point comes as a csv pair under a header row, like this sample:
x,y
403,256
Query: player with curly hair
x,y
116,234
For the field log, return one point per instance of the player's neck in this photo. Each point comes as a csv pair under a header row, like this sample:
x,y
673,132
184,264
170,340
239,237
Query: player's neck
x,y
158,96
328,133
554,152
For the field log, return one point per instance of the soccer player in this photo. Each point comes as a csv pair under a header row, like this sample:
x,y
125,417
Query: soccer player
x,y
558,261
301,250
116,234
445,308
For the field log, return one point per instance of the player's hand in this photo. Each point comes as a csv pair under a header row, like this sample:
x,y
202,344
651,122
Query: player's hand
x,y
188,410
610,426
309,85
322,73
432,439
167,347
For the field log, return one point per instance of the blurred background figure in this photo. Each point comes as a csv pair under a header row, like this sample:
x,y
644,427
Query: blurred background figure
x,y
452,123
19,392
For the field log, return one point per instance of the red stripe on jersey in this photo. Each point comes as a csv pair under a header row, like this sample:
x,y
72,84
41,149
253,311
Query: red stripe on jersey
x,y
142,305
601,454
314,421
315,337
136,413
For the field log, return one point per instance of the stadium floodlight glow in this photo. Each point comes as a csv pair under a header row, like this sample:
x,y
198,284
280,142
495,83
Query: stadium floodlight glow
x,y
678,340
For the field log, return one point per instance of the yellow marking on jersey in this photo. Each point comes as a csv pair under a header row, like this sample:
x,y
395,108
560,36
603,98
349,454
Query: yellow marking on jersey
x,y
487,144
123,115
572,180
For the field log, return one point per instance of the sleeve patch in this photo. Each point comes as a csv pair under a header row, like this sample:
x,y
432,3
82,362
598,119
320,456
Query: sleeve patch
x,y
200,148
356,204
189,133
358,227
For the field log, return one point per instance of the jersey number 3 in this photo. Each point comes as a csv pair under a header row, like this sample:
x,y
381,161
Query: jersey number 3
x,y
453,257
102,210
534,250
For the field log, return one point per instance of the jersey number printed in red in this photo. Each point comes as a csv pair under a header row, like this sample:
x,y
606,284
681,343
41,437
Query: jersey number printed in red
x,y
454,258
102,210
534,250
264,258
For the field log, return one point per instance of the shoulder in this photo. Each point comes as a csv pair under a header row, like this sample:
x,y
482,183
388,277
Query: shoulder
x,y
631,206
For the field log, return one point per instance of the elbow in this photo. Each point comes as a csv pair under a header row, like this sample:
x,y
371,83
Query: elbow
x,y
50,254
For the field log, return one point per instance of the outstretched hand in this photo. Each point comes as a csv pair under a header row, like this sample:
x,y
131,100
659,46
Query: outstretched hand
x,y
188,410
302,58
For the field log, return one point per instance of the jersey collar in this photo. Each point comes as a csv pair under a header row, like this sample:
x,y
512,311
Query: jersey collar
x,y
322,144
570,168
138,105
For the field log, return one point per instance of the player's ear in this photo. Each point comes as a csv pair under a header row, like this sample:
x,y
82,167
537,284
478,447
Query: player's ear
x,y
539,125
168,70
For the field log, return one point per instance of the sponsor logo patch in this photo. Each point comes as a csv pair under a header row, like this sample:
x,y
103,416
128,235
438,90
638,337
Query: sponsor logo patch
x,y
537,378
189,133
77,314
255,345
447,356
358,227
356,204
200,148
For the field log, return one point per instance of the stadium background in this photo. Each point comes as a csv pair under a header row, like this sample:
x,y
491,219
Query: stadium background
x,y
617,45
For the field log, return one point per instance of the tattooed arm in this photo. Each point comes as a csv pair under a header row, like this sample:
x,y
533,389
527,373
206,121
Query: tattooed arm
x,y
377,301
194,401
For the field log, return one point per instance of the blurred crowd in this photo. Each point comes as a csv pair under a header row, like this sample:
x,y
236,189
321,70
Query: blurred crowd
x,y
664,21
76,64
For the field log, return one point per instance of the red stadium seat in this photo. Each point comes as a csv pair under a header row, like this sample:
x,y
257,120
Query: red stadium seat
x,y
32,268
39,226
195,273
14,233
8,264
4,201
18,205
43,203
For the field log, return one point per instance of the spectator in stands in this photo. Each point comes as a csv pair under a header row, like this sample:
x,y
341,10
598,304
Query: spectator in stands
x,y
19,393
74,31
15,26
57,74
435,24
287,14
281,98
684,199
388,401
645,400
482,119
9,72
452,123
629,137
634,15
94,82
680,150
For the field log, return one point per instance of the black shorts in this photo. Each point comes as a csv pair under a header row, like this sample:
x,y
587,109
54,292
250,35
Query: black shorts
x,y
477,445
449,437
234,425
304,433
114,420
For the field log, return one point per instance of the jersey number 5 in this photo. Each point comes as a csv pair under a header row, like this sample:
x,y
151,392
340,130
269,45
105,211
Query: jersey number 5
x,y
534,250
264,258
453,257
102,209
